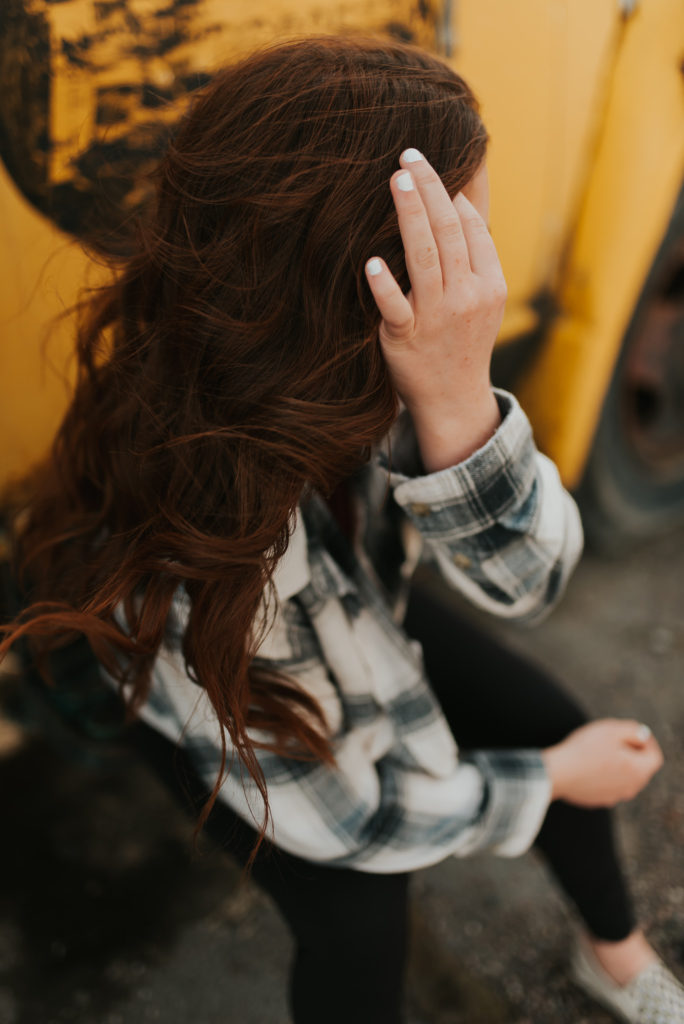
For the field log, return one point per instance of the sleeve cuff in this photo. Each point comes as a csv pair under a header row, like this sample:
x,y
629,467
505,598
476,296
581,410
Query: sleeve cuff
x,y
517,799
480,490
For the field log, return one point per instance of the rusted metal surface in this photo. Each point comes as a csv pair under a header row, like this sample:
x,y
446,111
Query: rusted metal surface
x,y
91,88
652,385
585,162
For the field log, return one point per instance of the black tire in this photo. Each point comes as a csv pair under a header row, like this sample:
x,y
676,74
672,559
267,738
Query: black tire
x,y
633,485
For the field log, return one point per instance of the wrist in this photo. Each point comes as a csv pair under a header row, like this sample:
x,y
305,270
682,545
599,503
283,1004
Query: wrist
x,y
554,763
449,433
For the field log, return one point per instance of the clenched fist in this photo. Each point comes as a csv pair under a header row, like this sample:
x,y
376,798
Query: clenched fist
x,y
603,763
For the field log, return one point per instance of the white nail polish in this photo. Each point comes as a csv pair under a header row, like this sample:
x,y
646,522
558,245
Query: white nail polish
x,y
405,182
643,733
374,267
411,156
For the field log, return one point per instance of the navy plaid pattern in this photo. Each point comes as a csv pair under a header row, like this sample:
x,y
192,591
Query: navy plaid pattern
x,y
506,535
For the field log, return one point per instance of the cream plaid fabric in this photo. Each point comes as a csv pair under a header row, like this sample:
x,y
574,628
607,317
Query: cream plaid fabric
x,y
506,535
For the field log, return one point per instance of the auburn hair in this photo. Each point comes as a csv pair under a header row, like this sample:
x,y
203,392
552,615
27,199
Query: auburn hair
x,y
231,366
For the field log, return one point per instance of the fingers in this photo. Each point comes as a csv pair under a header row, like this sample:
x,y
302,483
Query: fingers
x,y
644,752
443,216
650,755
444,241
394,307
642,734
484,259
620,755
637,735
420,247
462,237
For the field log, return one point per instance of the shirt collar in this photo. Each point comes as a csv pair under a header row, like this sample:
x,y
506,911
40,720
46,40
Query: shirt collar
x,y
292,571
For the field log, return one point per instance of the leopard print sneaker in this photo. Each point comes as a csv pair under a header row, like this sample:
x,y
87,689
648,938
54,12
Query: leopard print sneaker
x,y
658,996
654,996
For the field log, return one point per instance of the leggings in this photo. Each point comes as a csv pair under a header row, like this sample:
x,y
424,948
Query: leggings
x,y
350,927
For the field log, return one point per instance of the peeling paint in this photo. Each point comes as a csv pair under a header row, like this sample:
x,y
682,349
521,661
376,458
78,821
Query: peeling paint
x,y
90,89
25,137
400,31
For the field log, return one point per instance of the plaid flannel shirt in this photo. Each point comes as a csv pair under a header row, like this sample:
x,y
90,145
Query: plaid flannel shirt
x,y
506,535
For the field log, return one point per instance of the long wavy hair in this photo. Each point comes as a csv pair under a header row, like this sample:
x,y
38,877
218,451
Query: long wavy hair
x,y
233,365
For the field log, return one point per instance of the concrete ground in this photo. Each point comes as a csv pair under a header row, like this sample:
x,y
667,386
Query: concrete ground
x,y
106,917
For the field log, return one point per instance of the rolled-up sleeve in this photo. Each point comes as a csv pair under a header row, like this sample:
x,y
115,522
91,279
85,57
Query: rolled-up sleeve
x,y
382,817
500,525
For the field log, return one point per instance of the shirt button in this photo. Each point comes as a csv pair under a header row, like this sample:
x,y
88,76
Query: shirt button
x,y
461,561
419,508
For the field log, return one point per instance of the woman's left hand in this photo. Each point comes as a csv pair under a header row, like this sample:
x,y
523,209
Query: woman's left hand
x,y
438,339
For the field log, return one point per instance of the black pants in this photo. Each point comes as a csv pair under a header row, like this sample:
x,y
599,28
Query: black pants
x,y
350,928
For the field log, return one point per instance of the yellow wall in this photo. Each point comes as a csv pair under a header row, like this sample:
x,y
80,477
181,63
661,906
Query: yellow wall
x,y
541,70
41,271
633,180
584,108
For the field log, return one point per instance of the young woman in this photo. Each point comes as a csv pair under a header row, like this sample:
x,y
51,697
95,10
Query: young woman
x,y
234,501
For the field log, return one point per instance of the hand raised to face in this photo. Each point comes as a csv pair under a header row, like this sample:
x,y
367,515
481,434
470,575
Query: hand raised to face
x,y
438,339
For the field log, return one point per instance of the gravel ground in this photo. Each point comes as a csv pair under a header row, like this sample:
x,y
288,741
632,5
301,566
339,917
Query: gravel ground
x,y
106,917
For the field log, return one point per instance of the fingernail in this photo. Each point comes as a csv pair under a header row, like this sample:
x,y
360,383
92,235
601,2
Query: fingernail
x,y
411,156
643,733
405,182
374,267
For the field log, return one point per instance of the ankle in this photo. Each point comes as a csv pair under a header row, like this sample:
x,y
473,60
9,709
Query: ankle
x,y
624,959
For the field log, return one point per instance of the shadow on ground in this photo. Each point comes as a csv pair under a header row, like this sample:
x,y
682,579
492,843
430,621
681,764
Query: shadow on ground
x,y
107,916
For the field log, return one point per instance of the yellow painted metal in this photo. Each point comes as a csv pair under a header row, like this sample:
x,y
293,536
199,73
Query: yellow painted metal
x,y
41,269
41,272
541,71
584,109
124,48
636,173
